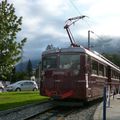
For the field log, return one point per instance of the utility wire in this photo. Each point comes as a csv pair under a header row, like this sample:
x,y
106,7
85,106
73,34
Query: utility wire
x,y
75,7
98,36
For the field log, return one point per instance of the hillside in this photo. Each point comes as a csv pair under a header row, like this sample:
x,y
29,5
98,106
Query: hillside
x,y
22,66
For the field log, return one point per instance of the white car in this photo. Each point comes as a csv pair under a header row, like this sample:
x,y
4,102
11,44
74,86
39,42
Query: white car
x,y
1,87
23,85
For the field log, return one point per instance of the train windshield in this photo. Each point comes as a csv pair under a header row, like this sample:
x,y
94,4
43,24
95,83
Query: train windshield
x,y
69,62
50,62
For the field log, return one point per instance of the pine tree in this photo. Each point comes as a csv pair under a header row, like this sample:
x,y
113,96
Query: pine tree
x,y
10,49
29,68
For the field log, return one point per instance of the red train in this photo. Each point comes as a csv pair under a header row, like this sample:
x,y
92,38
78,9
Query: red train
x,y
76,73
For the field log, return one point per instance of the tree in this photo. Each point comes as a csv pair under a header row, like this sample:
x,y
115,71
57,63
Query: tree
x,y
29,68
50,47
10,49
115,58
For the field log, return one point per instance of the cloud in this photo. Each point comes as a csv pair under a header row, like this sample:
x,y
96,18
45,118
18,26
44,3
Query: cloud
x,y
35,47
105,8
43,21
107,16
54,8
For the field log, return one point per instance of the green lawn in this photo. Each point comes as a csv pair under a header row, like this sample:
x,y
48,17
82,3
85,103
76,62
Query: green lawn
x,y
10,100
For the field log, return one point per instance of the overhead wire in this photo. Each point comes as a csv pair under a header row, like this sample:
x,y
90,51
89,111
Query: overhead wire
x,y
87,23
75,7
77,10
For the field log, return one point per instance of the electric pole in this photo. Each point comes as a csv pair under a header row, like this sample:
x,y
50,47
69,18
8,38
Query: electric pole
x,y
89,46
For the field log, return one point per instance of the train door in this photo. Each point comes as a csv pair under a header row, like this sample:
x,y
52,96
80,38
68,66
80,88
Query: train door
x,y
88,62
109,73
70,64
49,64
80,81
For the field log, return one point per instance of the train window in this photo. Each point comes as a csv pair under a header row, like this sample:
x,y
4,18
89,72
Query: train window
x,y
113,74
105,71
69,62
50,62
116,76
101,70
94,67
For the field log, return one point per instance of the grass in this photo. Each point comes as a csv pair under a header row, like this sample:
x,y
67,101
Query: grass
x,y
9,100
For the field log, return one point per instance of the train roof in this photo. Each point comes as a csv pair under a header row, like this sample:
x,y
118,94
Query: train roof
x,y
80,49
102,59
63,50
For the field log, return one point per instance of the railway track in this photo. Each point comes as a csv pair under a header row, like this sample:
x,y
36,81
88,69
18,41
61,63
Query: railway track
x,y
67,113
50,110
57,113
25,112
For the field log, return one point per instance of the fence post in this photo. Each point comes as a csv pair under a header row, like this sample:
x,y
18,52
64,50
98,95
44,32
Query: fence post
x,y
104,102
108,96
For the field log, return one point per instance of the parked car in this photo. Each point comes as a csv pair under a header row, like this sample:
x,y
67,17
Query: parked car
x,y
1,87
23,85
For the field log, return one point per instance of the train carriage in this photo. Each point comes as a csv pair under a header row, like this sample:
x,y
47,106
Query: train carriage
x,y
76,73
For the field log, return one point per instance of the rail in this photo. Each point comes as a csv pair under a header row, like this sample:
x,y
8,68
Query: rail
x,y
25,112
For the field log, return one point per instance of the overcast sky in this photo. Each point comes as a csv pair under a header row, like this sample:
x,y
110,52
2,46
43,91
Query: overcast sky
x,y
44,20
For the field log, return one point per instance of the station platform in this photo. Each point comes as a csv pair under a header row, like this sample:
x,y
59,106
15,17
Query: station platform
x,y
112,111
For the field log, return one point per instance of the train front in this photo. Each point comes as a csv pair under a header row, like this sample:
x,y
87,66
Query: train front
x,y
60,75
